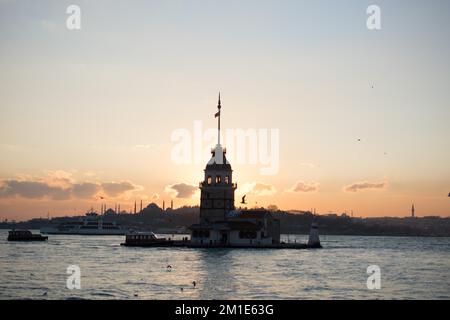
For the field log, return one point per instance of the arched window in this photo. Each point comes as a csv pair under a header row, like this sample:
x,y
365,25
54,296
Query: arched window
x,y
227,179
218,179
209,180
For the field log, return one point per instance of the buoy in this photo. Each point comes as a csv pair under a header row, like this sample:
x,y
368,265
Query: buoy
x,y
314,240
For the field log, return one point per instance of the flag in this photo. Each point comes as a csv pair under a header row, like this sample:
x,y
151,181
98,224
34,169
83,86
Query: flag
x,y
217,114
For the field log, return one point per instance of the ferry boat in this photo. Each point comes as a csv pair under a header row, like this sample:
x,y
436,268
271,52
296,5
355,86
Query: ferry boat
x,y
90,224
25,235
145,239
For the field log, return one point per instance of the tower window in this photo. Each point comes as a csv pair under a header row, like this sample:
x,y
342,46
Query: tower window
x,y
227,179
218,179
209,180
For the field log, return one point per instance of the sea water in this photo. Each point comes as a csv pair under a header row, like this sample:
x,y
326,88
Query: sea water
x,y
410,268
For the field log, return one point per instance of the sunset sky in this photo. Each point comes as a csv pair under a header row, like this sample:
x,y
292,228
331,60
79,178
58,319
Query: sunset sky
x,y
363,116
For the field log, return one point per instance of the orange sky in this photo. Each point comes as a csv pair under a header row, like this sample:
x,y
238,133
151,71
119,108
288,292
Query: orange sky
x,y
362,116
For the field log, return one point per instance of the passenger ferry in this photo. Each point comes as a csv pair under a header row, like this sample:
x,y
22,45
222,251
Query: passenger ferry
x,y
146,239
90,224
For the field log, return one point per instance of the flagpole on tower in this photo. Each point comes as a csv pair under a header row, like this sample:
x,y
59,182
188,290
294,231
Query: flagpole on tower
x,y
217,115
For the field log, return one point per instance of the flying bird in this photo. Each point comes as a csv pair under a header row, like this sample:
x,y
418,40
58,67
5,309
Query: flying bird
x,y
243,199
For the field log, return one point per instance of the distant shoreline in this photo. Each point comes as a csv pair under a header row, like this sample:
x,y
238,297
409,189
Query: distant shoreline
x,y
298,222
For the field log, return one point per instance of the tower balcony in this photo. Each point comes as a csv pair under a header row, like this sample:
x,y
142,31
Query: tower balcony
x,y
202,184
213,150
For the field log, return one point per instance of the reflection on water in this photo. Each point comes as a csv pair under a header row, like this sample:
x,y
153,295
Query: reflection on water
x,y
415,268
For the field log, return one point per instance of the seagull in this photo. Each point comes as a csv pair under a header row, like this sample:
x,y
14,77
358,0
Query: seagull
x,y
194,283
359,139
243,199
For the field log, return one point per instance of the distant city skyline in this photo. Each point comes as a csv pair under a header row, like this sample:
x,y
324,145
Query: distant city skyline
x,y
88,115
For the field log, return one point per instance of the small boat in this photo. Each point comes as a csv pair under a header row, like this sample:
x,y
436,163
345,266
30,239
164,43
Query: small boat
x,y
145,239
25,235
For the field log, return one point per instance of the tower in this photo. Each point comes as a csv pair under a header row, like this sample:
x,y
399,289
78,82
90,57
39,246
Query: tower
x,y
217,188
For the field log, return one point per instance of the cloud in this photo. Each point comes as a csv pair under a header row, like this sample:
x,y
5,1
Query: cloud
x,y
85,190
32,190
258,189
355,187
114,189
305,187
59,185
181,190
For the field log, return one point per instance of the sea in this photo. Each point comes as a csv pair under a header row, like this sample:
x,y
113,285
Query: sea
x,y
404,267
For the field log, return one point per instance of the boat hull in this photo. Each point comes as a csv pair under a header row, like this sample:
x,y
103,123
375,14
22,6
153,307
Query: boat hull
x,y
27,239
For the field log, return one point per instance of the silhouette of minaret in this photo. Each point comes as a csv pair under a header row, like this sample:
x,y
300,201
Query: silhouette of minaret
x,y
164,205
171,204
141,206
412,211
118,208
134,206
